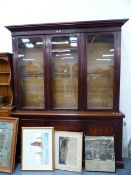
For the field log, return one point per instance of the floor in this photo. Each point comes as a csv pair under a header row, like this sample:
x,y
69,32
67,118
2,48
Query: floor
x,y
125,171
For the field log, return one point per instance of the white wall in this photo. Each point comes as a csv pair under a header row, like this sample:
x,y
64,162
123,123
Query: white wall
x,y
14,12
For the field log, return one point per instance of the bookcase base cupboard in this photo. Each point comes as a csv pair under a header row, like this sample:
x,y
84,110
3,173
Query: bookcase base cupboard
x,y
67,75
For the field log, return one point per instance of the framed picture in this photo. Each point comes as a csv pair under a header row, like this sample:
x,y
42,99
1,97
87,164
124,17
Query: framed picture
x,y
37,148
99,153
68,150
8,139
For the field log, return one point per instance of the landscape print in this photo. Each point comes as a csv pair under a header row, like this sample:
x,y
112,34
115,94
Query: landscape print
x,y
99,153
68,150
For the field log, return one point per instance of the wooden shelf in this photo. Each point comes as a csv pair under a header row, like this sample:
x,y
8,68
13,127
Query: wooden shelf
x,y
4,84
4,72
6,81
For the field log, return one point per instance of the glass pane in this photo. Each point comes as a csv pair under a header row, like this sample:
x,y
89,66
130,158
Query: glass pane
x,y
32,92
100,67
30,56
100,97
65,72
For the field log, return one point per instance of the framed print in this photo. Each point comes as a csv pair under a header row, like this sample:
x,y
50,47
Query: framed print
x,y
99,153
68,150
8,139
37,148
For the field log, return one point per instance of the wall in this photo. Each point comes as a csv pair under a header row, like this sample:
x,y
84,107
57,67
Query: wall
x,y
14,12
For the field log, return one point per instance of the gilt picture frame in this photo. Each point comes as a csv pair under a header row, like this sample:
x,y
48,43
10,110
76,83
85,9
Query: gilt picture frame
x,y
37,148
68,150
99,153
8,140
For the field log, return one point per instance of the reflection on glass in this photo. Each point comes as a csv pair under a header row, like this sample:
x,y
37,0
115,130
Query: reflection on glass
x,y
65,70
30,56
32,92
100,67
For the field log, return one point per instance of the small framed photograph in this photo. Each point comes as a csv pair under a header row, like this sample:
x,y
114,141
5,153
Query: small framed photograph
x,y
68,150
99,153
8,140
37,148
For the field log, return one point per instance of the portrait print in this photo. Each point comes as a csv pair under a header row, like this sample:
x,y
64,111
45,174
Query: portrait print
x,y
68,150
63,144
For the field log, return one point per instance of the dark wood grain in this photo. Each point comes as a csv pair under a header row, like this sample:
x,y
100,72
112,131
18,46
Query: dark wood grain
x,y
71,25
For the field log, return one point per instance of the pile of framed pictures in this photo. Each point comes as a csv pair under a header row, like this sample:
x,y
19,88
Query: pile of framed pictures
x,y
46,149
40,150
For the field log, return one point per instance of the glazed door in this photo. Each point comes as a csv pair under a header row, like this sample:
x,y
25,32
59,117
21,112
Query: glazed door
x,y
30,72
64,71
100,71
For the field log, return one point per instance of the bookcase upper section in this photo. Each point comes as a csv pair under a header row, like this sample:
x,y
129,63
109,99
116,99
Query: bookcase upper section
x,y
67,66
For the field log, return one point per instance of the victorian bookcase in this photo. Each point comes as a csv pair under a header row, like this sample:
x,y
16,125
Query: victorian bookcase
x,y
67,75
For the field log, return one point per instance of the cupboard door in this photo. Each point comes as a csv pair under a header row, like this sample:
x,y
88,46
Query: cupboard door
x,y
64,66
100,70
